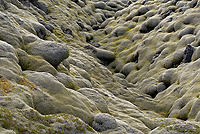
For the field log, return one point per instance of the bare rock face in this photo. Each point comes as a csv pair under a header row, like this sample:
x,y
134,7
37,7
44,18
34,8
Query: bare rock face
x,y
90,66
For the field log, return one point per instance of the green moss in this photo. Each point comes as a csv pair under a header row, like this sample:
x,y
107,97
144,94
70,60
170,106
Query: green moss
x,y
5,123
186,128
59,34
41,127
30,121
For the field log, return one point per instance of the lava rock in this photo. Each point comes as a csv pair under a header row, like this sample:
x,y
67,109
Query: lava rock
x,y
40,30
104,55
103,122
188,54
95,27
51,51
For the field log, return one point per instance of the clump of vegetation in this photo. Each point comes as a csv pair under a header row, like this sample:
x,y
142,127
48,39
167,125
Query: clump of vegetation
x,y
60,34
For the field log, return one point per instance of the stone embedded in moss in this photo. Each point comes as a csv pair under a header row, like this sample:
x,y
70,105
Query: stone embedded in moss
x,y
104,55
103,122
51,51
100,4
66,80
150,24
40,30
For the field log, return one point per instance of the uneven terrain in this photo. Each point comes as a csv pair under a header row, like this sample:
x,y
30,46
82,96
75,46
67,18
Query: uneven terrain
x,y
91,66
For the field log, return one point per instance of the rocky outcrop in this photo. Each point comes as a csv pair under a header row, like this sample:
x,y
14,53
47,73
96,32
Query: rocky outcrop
x,y
90,66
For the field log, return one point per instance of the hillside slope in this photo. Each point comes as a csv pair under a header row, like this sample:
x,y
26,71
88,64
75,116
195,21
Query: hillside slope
x,y
90,66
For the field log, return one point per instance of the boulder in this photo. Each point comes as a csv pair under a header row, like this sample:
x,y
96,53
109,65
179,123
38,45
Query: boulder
x,y
95,27
142,10
112,4
189,50
168,77
137,37
40,30
82,72
72,125
100,17
190,39
150,14
8,51
128,129
43,6
36,63
131,15
100,4
106,22
103,122
104,55
168,63
170,28
150,24
194,109
127,68
119,31
161,87
49,27
80,3
120,75
152,90
28,38
51,51
82,82
178,56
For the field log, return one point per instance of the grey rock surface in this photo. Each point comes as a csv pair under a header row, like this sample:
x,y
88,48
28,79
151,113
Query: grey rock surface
x,y
52,52
103,122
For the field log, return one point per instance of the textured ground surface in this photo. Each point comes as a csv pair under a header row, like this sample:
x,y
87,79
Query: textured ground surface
x,y
90,66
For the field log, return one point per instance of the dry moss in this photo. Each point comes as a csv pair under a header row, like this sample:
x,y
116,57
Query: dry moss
x,y
27,83
5,85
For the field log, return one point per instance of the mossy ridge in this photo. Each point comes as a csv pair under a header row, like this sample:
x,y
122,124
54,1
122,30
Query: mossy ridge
x,y
8,121
182,128
47,120
30,121
59,34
